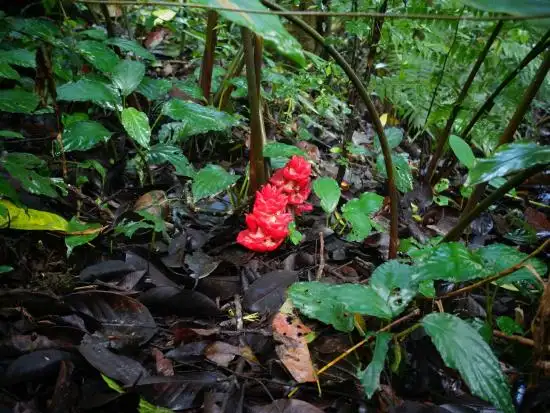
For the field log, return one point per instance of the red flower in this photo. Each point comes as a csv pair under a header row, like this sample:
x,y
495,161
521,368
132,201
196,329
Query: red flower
x,y
297,169
255,239
270,200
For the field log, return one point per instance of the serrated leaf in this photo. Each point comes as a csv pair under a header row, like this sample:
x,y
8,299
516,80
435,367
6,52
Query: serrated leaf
x,y
86,233
30,219
370,377
462,151
508,159
281,150
211,180
462,348
87,90
84,135
8,72
161,153
403,174
42,28
199,119
18,57
98,54
18,101
154,89
393,282
127,75
267,26
336,304
358,214
131,46
394,136
328,191
136,123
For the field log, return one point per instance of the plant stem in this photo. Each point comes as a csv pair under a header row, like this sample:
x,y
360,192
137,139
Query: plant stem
x,y
444,136
257,167
221,98
207,67
374,40
468,217
364,94
108,22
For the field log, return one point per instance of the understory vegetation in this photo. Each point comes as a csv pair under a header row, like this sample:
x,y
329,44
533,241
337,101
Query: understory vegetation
x,y
250,206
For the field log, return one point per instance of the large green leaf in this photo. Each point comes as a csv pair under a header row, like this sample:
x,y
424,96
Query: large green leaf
x,y
198,119
28,219
154,89
18,101
336,304
136,124
370,377
328,191
211,180
8,72
81,136
98,54
41,28
86,90
402,170
83,234
462,348
393,282
281,150
507,159
516,7
127,75
18,57
451,262
394,136
132,47
161,153
358,213
267,26
499,257
21,167
462,151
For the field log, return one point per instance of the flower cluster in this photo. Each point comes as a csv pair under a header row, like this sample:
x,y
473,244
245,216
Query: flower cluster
x,y
284,196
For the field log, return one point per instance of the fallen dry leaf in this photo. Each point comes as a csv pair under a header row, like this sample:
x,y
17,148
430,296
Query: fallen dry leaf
x,y
164,366
154,202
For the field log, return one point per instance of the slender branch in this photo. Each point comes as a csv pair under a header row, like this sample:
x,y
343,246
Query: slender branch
x,y
416,16
517,339
364,94
467,218
457,106
497,276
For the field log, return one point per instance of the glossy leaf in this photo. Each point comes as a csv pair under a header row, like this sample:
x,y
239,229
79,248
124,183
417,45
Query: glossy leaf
x,y
328,191
394,136
462,348
87,90
358,212
336,304
462,151
131,46
98,54
28,219
370,377
136,123
127,75
161,153
18,57
82,234
18,101
508,159
516,7
393,282
81,136
154,89
267,26
403,174
21,167
199,119
281,150
8,72
40,28
211,180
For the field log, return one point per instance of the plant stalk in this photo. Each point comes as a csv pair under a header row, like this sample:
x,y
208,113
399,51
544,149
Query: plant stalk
x,y
207,67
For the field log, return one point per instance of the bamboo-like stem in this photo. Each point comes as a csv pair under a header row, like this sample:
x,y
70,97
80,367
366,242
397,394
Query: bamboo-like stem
x,y
468,217
457,106
257,167
364,94
207,67
221,98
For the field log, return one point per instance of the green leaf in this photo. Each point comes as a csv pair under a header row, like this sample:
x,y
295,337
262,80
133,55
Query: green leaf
x,y
88,233
403,174
20,167
144,406
129,228
462,151
132,47
509,326
81,136
336,304
93,164
451,262
127,75
8,72
18,57
370,377
199,119
11,134
328,191
173,132
136,124
211,180
8,191
267,26
498,257
28,219
5,268
18,101
87,90
161,153
154,89
190,87
508,159
392,281
394,136
281,150
462,348
294,235
98,54
515,7
96,34
358,211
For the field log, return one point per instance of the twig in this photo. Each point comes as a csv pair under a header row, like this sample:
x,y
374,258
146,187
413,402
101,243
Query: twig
x,y
350,350
497,276
321,267
517,339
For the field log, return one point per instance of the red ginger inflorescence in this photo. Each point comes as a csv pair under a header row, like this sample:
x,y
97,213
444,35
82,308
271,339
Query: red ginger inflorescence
x,y
284,196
